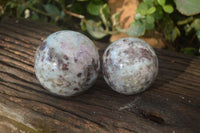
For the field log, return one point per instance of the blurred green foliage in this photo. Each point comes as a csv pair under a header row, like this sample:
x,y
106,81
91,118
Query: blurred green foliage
x,y
188,7
47,11
175,19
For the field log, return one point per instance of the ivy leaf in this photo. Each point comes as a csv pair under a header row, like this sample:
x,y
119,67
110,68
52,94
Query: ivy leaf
x,y
115,19
83,25
168,8
196,24
175,33
138,16
198,36
95,29
150,19
161,2
187,29
188,7
105,14
151,10
136,28
168,26
149,25
78,8
148,1
158,14
142,8
94,7
52,9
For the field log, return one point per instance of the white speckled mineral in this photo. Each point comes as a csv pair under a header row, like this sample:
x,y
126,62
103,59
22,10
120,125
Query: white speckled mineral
x,y
67,63
130,65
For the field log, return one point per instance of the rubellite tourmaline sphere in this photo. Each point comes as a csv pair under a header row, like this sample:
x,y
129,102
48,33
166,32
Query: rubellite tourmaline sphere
x,y
67,63
130,65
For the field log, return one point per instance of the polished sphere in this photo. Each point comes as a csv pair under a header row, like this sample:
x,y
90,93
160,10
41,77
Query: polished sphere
x,y
67,63
129,66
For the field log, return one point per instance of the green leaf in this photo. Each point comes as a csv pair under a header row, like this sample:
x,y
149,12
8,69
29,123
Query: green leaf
x,y
83,25
158,14
52,9
149,26
196,24
161,2
188,7
150,19
115,19
187,29
175,33
142,8
198,36
136,29
95,29
168,26
105,14
98,1
168,8
139,16
151,10
94,7
148,1
149,22
77,8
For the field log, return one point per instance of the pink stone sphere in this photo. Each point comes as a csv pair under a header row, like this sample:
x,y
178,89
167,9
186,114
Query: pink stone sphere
x,y
67,63
129,66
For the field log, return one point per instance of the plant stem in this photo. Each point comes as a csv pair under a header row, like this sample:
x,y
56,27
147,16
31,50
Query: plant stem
x,y
75,15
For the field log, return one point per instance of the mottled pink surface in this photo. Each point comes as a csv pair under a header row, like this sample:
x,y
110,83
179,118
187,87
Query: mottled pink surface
x,y
67,63
130,65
